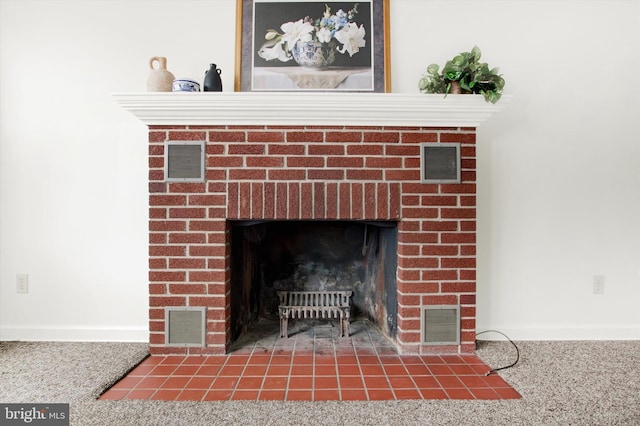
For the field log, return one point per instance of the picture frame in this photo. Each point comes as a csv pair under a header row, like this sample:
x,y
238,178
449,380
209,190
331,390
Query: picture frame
x,y
351,53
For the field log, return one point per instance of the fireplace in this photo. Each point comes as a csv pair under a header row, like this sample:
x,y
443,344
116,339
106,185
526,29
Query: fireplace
x,y
272,256
312,203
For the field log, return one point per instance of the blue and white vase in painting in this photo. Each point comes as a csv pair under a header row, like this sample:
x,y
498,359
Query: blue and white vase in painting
x,y
313,54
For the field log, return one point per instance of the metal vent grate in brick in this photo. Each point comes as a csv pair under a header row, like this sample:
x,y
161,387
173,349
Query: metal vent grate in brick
x,y
441,325
440,162
185,326
184,161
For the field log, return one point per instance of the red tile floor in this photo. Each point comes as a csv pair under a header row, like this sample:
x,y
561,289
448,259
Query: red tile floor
x,y
314,364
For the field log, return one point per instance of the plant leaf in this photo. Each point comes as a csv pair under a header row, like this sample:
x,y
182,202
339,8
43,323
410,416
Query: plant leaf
x,y
433,69
476,53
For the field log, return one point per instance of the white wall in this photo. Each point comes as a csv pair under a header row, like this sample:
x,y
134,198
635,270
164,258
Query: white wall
x,y
559,168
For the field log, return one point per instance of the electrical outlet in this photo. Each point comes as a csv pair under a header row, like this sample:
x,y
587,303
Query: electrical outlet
x,y
598,284
22,283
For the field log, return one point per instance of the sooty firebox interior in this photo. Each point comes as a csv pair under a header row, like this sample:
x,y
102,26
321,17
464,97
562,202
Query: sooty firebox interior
x,y
270,256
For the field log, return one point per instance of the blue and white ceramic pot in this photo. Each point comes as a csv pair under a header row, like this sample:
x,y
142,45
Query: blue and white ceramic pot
x,y
185,85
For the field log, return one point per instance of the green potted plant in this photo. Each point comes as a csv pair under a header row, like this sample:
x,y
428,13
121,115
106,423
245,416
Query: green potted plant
x,y
464,74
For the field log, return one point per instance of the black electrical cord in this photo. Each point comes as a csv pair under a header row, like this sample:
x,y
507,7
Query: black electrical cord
x,y
510,341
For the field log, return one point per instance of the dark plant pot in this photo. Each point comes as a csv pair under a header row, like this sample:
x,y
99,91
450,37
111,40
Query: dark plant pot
x,y
457,90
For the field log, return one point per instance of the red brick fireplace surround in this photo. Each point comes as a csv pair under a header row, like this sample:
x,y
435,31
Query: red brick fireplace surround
x,y
312,157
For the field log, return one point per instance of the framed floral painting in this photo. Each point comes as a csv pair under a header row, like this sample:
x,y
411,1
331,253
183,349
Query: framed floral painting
x,y
284,45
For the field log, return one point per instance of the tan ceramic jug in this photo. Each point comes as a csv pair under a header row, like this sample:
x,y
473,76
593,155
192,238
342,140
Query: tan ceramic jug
x,y
160,80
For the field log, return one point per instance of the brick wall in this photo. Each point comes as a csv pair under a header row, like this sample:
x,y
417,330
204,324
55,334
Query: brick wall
x,y
290,172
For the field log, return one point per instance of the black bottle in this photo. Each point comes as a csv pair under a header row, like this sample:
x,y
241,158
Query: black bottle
x,y
212,80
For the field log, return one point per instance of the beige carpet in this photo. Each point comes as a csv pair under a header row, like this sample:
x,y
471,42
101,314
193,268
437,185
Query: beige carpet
x,y
562,383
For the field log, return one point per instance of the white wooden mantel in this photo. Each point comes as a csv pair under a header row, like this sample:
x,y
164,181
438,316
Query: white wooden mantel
x,y
309,109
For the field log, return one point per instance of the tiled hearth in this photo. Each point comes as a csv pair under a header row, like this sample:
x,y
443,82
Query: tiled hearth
x,y
313,365
314,157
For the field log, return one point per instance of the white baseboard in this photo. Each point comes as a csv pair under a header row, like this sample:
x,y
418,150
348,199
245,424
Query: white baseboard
x,y
141,334
74,334
622,332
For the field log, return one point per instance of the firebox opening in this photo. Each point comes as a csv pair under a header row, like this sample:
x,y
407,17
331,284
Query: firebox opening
x,y
270,256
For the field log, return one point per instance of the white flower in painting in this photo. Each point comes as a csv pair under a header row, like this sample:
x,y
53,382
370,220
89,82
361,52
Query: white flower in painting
x,y
323,35
275,52
294,31
351,37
